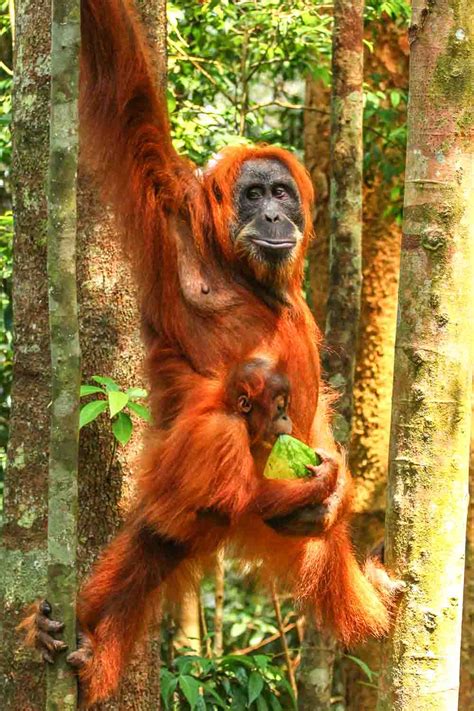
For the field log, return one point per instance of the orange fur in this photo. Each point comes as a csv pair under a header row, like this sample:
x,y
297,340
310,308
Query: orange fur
x,y
200,483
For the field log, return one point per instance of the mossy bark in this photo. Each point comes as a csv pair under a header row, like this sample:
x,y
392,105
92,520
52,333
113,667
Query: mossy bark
x,y
345,245
64,336
466,690
24,550
429,451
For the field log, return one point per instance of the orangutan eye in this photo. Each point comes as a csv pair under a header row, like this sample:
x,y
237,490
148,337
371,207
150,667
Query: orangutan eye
x,y
254,193
280,192
280,403
244,404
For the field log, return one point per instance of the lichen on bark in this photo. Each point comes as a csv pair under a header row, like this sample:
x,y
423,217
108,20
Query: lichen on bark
x,y
64,335
428,478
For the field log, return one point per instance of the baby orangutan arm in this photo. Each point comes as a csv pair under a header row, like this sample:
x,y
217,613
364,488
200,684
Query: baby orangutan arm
x,y
314,519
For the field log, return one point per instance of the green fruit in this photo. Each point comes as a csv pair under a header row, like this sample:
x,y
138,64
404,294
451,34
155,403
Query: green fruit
x,y
288,459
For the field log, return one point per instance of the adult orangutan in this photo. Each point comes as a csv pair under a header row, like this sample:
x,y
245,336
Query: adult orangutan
x,y
218,257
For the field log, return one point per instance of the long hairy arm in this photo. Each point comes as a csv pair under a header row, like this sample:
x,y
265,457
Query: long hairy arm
x,y
125,131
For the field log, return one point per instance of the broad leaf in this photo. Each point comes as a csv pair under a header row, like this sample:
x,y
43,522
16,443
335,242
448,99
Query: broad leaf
x,y
90,390
109,383
122,428
117,401
190,688
255,686
140,410
90,411
136,393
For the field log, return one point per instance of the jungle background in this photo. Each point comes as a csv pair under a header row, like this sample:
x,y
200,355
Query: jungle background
x,y
237,70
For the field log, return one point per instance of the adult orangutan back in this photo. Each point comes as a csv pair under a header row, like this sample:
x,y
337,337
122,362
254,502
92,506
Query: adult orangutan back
x,y
218,259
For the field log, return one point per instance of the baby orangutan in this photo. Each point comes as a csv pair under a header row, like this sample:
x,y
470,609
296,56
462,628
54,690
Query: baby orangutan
x,y
207,490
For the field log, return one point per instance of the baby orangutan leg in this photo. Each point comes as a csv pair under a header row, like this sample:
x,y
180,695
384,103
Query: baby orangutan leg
x,y
40,629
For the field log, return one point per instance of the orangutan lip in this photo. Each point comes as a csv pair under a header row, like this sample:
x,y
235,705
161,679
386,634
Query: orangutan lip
x,y
275,245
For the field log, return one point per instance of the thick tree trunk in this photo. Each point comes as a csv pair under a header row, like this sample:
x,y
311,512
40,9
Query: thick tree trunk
x,y
345,207
64,340
110,344
466,691
428,479
24,558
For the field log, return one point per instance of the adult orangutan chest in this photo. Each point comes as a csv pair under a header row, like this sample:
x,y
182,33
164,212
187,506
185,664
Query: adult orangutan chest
x,y
216,340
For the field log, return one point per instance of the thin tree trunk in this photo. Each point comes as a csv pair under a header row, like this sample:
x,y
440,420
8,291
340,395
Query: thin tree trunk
x,y
64,335
345,247
219,610
188,622
428,477
345,280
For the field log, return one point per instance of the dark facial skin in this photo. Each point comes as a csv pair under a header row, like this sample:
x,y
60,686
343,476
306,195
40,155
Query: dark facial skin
x,y
268,209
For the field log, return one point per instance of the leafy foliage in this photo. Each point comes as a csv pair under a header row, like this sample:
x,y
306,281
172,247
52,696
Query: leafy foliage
x,y
121,404
236,65
232,682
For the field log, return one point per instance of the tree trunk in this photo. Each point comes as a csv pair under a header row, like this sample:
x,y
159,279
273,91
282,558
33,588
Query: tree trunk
x,y
64,340
219,574
345,207
24,557
466,691
110,344
316,158
315,673
427,499
345,265
368,452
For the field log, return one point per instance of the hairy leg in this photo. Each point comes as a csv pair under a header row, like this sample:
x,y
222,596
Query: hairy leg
x,y
116,604
354,603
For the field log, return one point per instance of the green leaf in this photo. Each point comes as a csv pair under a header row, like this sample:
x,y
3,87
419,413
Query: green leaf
x,y
117,401
122,428
109,383
190,688
395,98
236,660
274,703
261,660
140,410
136,393
237,629
255,686
210,690
363,666
168,684
91,411
262,704
90,390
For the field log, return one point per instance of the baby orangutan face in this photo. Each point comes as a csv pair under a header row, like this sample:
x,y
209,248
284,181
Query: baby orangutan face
x,y
260,393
